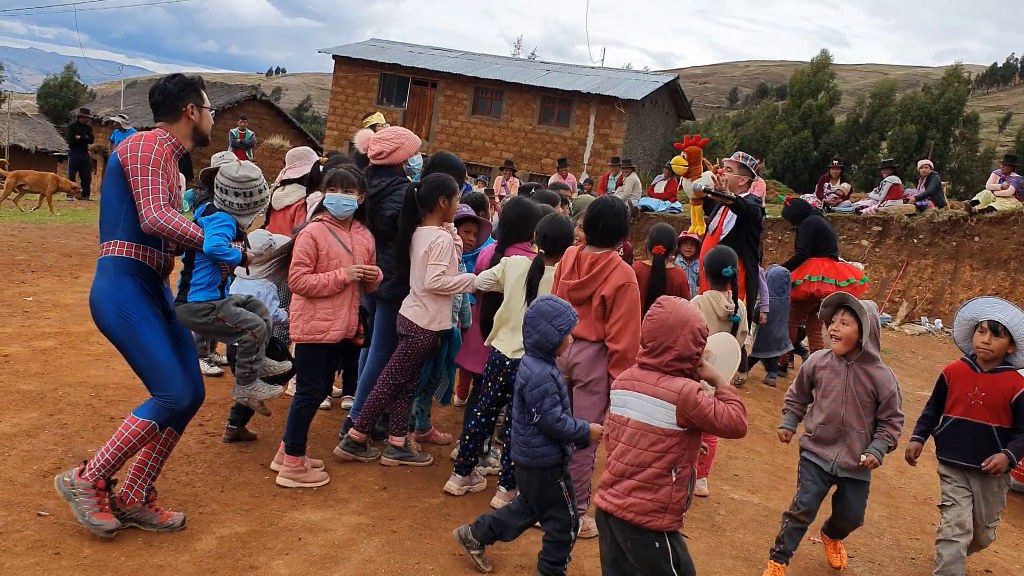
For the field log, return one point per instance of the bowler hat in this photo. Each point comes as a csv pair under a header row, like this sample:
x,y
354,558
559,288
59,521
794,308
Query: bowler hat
x,y
1010,159
836,162
83,111
508,165
888,163
562,163
628,163
615,161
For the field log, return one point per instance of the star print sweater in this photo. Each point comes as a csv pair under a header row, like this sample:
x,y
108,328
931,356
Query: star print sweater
x,y
973,414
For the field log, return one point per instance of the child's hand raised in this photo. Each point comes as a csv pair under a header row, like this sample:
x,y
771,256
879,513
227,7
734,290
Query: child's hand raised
x,y
596,431
913,452
996,464
785,435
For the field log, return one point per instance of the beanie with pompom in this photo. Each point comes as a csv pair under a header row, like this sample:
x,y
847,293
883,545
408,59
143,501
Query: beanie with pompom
x,y
390,146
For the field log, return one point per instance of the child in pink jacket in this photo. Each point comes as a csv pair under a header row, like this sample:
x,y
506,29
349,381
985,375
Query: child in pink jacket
x,y
333,261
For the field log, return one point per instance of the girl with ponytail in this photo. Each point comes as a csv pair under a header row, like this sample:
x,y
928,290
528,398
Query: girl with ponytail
x,y
660,276
724,312
520,279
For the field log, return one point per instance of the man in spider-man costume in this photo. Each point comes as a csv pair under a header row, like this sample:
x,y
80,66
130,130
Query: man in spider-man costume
x,y
140,231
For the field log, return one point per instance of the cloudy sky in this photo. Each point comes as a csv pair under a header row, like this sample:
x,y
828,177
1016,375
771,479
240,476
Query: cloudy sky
x,y
250,35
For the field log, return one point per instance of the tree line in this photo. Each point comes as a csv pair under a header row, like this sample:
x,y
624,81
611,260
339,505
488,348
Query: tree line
x,y
797,137
997,76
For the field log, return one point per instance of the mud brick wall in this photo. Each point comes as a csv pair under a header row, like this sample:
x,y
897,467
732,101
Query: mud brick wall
x,y
945,260
480,140
651,124
40,161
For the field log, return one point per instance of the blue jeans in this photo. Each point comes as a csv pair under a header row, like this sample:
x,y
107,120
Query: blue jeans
x,y
383,319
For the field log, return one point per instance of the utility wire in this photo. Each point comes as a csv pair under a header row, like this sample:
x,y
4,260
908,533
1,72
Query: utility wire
x,y
586,26
120,67
97,9
65,4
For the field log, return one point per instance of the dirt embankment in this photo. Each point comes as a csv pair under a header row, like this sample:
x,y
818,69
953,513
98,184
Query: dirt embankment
x,y
935,261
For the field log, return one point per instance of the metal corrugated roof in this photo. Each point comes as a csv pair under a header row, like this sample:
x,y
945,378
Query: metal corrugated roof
x,y
616,82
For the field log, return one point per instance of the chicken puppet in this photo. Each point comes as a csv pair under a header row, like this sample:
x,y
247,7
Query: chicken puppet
x,y
689,166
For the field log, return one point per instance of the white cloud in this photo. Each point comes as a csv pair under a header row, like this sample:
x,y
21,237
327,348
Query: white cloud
x,y
154,65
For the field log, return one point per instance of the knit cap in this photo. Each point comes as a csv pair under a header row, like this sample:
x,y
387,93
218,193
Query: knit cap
x,y
392,146
240,190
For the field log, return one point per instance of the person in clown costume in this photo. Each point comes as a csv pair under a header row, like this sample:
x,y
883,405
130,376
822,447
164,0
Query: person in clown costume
x,y
735,222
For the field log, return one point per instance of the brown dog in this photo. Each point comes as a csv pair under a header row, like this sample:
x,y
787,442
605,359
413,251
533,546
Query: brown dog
x,y
46,184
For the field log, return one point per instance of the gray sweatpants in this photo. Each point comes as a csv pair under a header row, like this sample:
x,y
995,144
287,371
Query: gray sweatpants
x,y
238,319
970,504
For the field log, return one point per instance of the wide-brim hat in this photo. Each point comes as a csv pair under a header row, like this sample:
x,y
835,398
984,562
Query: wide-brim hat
x,y
628,163
206,175
722,352
482,178
977,310
836,300
121,119
298,162
508,165
836,162
615,161
889,163
1010,159
562,163
463,212
83,111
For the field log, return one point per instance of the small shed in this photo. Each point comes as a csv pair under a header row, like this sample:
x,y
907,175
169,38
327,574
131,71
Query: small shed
x,y
275,129
34,143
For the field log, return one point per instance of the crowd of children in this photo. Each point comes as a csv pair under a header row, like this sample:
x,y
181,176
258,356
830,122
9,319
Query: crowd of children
x,y
394,276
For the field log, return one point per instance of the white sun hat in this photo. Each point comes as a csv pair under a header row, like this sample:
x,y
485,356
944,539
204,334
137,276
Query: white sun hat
x,y
977,310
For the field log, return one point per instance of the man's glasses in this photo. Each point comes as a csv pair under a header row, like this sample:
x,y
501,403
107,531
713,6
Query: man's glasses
x,y
213,111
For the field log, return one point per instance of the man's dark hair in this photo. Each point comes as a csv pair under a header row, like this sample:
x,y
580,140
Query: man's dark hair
x,y
169,95
243,117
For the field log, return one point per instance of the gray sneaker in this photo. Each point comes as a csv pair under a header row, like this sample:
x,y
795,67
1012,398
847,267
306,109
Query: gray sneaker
x,y
273,368
405,455
258,390
464,536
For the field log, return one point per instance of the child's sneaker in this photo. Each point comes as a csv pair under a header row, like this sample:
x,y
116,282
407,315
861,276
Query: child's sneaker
x,y
464,536
458,402
771,381
208,368
278,462
433,436
290,389
588,527
90,501
774,569
258,390
741,379
835,553
336,392
299,472
218,359
271,368
347,402
326,404
460,485
147,514
408,454
349,449
257,406
700,488
490,465
239,434
503,497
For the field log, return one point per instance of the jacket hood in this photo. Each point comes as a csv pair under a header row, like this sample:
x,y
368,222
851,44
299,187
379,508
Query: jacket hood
x,y
871,327
680,354
721,303
779,281
796,210
546,323
592,271
284,196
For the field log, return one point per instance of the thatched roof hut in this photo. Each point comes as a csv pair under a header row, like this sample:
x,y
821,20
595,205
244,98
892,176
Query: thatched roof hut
x,y
35,144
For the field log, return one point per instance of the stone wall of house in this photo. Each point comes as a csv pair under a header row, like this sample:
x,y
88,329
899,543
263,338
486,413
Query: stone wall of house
x,y
650,126
483,141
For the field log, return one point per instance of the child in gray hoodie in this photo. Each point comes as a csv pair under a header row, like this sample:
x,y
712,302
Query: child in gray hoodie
x,y
850,404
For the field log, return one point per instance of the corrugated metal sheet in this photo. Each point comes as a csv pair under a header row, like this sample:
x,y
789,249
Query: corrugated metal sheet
x,y
624,84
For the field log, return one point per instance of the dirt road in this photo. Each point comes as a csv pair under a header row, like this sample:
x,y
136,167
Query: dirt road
x,y
67,388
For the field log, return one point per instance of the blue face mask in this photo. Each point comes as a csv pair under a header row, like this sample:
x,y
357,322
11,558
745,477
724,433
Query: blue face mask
x,y
341,205
413,166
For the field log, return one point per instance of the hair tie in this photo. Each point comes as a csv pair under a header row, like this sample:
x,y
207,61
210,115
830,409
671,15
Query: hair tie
x,y
734,317
658,250
540,251
728,272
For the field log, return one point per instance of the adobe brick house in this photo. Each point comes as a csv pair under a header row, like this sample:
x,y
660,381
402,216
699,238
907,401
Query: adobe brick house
x,y
488,108
229,100
34,143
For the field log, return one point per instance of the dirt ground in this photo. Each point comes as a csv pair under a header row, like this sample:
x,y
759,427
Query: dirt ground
x,y
67,389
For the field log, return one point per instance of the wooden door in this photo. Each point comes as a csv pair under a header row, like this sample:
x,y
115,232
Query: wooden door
x,y
419,112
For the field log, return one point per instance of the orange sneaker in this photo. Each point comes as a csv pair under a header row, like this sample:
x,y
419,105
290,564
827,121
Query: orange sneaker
x,y
774,569
835,553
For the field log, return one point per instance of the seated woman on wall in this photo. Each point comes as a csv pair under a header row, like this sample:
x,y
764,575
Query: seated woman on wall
x,y
833,187
889,191
665,186
1004,190
928,193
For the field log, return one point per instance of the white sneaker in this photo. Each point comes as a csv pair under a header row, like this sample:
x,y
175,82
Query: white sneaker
x,y
208,368
290,389
347,402
271,368
336,392
258,390
700,488
490,465
326,404
218,359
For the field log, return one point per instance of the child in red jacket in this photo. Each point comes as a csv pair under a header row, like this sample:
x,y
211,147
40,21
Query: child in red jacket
x,y
976,415
653,430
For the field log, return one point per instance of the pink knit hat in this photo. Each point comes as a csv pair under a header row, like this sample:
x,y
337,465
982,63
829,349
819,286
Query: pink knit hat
x,y
392,146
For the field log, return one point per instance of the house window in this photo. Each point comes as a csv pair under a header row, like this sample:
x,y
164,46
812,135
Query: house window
x,y
394,91
555,111
487,102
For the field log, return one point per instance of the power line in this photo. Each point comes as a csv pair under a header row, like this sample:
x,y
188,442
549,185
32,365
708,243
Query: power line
x,y
97,9
586,26
65,4
120,67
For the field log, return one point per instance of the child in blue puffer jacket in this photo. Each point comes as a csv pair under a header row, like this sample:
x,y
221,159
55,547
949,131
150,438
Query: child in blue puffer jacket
x,y
543,435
